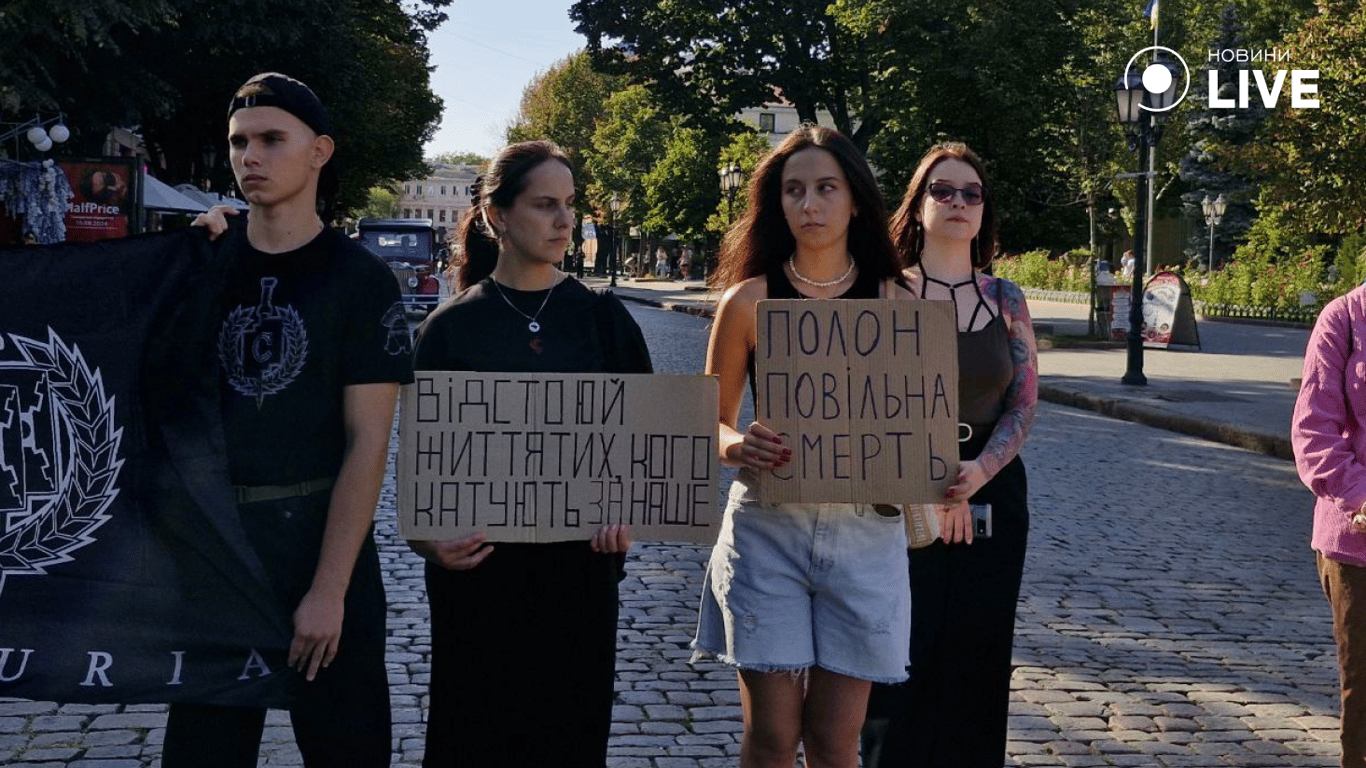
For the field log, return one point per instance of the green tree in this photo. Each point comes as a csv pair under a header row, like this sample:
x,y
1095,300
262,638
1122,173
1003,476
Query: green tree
x,y
382,203
564,104
709,59
1316,158
624,151
45,45
458,158
683,186
171,68
1211,166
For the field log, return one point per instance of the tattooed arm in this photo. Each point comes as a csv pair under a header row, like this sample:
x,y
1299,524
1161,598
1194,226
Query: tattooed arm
x,y
1022,396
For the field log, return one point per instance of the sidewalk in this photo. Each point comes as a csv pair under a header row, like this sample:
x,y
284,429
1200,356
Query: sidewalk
x,y
1235,389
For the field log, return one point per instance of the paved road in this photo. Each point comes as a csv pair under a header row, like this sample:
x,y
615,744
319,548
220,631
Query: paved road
x,y
1169,617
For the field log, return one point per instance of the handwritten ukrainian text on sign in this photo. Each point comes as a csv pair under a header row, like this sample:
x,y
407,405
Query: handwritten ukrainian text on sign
x,y
537,457
865,393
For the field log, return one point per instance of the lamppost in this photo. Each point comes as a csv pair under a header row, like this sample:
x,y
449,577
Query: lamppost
x,y
1143,102
1214,213
731,178
615,205
36,131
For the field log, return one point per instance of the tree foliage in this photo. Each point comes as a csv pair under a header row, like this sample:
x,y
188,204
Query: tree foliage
x,y
709,59
458,158
1316,158
625,149
170,68
381,203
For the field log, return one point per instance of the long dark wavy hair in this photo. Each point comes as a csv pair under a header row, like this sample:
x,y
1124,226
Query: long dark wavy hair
x,y
499,185
761,239
909,234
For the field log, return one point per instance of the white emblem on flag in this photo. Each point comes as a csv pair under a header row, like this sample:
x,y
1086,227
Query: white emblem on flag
x,y
59,454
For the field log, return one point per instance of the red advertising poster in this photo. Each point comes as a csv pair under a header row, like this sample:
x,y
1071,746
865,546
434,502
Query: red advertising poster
x,y
104,197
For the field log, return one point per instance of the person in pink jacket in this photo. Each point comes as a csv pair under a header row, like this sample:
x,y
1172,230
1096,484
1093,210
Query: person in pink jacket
x,y
1328,432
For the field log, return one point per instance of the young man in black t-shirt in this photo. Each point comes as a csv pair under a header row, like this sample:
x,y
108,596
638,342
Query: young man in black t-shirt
x,y
312,349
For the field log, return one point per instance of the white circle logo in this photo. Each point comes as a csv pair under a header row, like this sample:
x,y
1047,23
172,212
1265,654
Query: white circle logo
x,y
59,454
1157,78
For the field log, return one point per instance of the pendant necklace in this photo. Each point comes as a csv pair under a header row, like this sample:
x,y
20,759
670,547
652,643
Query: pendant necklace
x,y
792,264
532,325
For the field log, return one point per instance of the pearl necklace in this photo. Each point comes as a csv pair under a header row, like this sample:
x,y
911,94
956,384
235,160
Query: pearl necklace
x,y
532,326
792,264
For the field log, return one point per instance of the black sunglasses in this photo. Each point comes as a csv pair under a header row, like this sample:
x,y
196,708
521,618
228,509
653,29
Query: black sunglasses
x,y
943,193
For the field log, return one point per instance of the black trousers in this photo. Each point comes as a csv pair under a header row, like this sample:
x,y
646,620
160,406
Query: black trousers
x,y
523,658
952,712
342,717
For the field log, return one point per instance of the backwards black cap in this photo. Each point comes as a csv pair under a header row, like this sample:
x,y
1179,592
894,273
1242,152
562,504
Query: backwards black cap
x,y
272,89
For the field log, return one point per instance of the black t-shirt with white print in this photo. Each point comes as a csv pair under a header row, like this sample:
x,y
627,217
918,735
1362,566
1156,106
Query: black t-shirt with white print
x,y
297,328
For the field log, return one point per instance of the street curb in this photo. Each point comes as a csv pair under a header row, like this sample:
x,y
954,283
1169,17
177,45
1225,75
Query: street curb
x,y
1275,445
705,312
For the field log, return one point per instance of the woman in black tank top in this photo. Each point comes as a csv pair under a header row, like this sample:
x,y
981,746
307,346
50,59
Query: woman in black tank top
x,y
815,227
952,712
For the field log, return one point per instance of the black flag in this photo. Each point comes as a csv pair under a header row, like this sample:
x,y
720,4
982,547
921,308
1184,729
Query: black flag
x,y
125,575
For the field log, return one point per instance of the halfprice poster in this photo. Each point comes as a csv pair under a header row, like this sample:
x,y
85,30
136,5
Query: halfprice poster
x,y
105,193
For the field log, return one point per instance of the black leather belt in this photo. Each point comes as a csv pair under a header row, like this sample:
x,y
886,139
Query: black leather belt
x,y
250,494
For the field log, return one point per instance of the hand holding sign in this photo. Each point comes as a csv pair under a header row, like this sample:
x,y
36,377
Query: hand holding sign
x,y
762,449
454,554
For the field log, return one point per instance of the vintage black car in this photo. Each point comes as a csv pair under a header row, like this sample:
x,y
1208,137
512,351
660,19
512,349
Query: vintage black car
x,y
410,248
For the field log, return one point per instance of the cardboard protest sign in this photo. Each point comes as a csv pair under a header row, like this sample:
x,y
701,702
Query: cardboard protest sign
x,y
542,457
865,393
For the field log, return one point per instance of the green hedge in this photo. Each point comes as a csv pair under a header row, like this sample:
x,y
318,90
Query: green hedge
x,y
1251,282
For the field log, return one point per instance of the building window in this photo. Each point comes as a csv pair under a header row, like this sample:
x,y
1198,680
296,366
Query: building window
x,y
429,214
407,213
443,190
443,215
407,189
768,122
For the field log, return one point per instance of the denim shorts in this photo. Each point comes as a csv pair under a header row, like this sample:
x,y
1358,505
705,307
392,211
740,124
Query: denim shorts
x,y
792,586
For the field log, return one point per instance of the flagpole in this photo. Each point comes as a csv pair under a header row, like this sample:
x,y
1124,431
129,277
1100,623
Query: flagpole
x,y
1150,266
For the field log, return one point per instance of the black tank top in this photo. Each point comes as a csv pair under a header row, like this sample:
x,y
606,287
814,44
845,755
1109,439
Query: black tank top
x,y
866,286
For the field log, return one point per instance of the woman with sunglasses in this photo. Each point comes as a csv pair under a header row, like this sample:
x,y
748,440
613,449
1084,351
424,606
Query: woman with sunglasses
x,y
952,712
809,601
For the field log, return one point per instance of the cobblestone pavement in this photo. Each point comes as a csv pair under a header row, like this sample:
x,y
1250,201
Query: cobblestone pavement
x,y
1169,617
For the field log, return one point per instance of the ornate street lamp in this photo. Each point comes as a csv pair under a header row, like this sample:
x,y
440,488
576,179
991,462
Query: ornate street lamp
x,y
1214,213
731,179
1143,102
731,176
615,205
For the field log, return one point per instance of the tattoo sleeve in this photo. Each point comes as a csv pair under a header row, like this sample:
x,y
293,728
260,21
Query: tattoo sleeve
x,y
1022,396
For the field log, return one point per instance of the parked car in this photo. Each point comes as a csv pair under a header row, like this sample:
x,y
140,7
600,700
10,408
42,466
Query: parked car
x,y
410,248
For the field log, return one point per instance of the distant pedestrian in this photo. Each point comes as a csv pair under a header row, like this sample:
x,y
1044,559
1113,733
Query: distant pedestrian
x,y
661,263
952,712
524,635
1126,265
1328,433
794,591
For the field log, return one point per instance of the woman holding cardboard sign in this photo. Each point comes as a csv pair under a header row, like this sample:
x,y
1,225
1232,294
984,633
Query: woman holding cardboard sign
x,y
808,601
524,635
952,711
